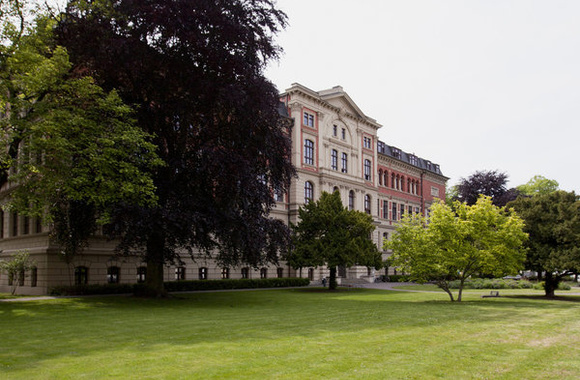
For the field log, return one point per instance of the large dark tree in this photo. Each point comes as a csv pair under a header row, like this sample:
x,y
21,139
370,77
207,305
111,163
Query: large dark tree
x,y
553,224
194,71
490,183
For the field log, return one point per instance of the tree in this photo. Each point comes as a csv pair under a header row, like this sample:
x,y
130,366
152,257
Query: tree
x,y
73,150
194,71
553,224
330,234
490,183
16,268
538,185
458,242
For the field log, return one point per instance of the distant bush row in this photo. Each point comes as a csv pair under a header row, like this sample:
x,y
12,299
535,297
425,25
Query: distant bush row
x,y
179,286
498,283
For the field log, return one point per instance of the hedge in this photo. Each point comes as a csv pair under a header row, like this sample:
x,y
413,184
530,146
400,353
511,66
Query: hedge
x,y
180,286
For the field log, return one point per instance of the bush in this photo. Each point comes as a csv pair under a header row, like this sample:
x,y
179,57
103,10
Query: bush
x,y
179,286
398,278
496,283
83,290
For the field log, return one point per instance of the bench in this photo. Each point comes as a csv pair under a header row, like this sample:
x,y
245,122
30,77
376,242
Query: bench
x,y
493,293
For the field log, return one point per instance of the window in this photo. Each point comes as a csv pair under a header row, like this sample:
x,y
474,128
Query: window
x,y
308,192
280,272
351,200
394,211
264,273
141,274
311,274
14,224
334,130
344,162
308,152
308,119
278,196
26,227
343,133
368,204
245,272
402,210
180,273
81,275
113,275
203,273
334,159
385,209
225,273
368,170
411,210
381,177
38,226
367,142
385,238
21,276
33,276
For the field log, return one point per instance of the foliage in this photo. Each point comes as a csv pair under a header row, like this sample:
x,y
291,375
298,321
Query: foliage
x,y
73,149
495,283
330,234
180,286
539,185
398,278
490,183
458,242
16,268
194,71
553,224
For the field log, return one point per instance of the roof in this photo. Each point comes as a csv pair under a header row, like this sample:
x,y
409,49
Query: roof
x,y
408,158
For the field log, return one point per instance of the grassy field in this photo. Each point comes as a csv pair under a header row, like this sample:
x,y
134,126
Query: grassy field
x,y
291,334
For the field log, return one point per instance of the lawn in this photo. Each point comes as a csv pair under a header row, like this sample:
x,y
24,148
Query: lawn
x,y
291,334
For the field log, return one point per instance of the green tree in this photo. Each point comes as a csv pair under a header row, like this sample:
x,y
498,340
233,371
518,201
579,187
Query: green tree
x,y
194,70
16,268
73,150
538,185
330,234
458,242
553,224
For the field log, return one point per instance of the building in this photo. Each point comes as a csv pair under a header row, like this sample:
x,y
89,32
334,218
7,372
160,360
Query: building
x,y
335,148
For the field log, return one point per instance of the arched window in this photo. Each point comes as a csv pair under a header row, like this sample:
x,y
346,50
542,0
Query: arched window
x,y
351,200
280,272
308,152
308,192
311,274
367,204
386,179
381,177
264,273
335,189
245,272
367,169
393,180
385,238
33,276
113,274
225,273
203,273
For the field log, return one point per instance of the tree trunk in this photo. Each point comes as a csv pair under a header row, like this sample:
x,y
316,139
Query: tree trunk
x,y
551,283
461,282
154,277
443,285
332,284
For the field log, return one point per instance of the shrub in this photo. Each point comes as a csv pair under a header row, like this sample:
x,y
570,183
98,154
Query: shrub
x,y
496,283
398,278
179,286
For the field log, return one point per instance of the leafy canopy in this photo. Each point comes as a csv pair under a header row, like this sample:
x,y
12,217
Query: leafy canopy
x,y
489,183
330,234
538,185
457,242
552,221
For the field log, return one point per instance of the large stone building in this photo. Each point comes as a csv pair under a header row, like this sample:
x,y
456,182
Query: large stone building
x,y
335,147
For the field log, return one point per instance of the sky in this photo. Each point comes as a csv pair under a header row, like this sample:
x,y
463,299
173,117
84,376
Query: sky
x,y
468,84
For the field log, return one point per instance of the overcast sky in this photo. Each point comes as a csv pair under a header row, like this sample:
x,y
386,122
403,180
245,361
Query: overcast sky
x,y
468,84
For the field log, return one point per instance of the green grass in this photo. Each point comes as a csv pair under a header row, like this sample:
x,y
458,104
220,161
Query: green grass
x,y
294,334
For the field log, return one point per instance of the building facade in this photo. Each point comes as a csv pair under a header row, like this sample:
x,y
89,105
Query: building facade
x,y
335,147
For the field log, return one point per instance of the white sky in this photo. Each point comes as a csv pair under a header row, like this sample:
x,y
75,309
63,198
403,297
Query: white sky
x,y
468,84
